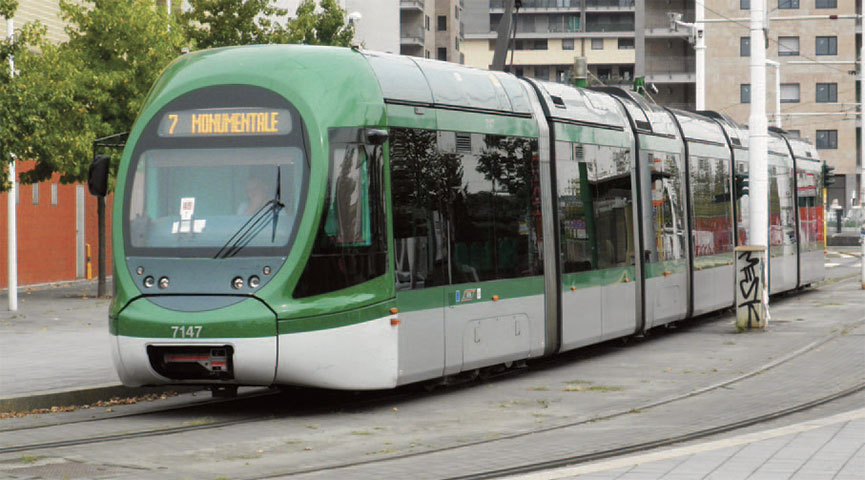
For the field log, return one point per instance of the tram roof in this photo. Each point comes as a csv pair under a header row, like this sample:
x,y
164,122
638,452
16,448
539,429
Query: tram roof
x,y
737,132
580,105
647,116
434,83
698,127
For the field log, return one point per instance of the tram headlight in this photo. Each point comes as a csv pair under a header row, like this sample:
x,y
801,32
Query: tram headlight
x,y
266,270
149,281
163,282
254,281
139,270
237,283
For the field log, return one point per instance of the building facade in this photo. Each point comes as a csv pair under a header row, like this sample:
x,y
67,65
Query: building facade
x,y
819,90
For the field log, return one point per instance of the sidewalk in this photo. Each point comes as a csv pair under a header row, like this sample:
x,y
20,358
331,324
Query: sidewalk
x,y
54,349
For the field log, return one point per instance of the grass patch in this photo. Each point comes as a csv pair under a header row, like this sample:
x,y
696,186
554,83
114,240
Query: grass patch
x,y
539,389
29,459
199,421
361,432
591,388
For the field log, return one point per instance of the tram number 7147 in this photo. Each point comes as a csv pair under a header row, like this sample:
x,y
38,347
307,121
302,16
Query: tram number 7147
x,y
179,331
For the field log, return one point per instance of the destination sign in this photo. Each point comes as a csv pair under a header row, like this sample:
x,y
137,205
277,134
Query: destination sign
x,y
225,122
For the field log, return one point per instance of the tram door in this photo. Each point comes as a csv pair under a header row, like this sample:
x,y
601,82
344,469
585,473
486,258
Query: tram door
x,y
665,266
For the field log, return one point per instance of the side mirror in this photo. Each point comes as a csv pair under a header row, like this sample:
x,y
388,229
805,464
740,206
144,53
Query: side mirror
x,y
97,177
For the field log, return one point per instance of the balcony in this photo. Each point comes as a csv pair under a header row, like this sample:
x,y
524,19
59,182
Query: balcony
x,y
610,5
411,5
609,27
413,36
529,5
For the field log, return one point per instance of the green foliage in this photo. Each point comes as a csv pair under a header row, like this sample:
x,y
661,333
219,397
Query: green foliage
x,y
222,23
93,85
324,26
8,8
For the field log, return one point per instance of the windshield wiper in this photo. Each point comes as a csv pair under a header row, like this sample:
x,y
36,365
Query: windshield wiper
x,y
255,224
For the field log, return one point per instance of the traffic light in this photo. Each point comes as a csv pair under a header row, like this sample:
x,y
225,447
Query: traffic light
x,y
741,180
828,176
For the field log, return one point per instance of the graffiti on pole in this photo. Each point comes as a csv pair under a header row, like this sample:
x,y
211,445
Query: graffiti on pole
x,y
750,307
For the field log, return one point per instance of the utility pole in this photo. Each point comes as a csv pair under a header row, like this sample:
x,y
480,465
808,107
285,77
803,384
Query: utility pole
x,y
759,142
700,55
639,45
777,66
12,221
862,136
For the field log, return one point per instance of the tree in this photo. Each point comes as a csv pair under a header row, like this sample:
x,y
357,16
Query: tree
x,y
222,23
320,27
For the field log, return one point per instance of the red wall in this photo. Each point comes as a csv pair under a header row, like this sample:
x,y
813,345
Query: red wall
x,y
46,233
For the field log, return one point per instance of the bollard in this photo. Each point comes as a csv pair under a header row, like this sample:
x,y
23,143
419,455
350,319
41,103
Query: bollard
x,y
750,290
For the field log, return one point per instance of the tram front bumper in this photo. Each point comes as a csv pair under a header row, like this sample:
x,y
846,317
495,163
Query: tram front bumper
x,y
235,345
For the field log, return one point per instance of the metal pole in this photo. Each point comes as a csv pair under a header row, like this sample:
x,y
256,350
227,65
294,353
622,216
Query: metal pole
x,y
700,55
777,66
759,140
12,221
862,137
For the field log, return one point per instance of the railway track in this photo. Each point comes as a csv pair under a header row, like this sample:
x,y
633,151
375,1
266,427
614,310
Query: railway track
x,y
335,400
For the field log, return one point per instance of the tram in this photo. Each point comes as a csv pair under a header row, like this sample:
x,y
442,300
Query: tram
x,y
329,217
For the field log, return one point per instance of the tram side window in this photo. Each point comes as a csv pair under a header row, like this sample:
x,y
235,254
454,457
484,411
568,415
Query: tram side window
x,y
612,195
713,217
576,216
424,183
668,212
782,220
350,245
596,212
466,207
497,221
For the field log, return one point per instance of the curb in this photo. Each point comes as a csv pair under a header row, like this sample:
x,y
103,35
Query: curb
x,y
83,396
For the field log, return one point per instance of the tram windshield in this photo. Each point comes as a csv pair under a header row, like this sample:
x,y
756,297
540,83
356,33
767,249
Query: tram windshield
x,y
215,202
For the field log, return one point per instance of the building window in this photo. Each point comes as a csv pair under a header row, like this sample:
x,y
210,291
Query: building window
x,y
457,43
456,11
567,44
442,54
442,23
789,93
605,74
426,54
744,46
788,4
426,22
826,4
35,194
626,44
827,45
744,4
788,46
827,139
827,93
542,73
597,44
53,194
745,93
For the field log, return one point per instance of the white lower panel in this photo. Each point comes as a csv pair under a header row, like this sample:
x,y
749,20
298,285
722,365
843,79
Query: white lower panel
x,y
254,360
363,356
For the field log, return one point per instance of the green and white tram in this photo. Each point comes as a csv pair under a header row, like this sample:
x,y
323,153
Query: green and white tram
x,y
353,220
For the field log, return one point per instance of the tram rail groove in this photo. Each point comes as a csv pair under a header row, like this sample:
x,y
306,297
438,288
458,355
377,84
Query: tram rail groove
x,y
514,470
638,447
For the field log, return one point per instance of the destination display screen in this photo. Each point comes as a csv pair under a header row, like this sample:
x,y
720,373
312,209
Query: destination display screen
x,y
225,122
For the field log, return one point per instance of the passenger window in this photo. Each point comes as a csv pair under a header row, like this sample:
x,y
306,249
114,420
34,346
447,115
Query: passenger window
x,y
466,207
350,244
595,206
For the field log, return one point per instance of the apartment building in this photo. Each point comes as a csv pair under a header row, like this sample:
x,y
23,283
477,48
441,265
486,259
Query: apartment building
x,y
819,91
431,29
550,33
